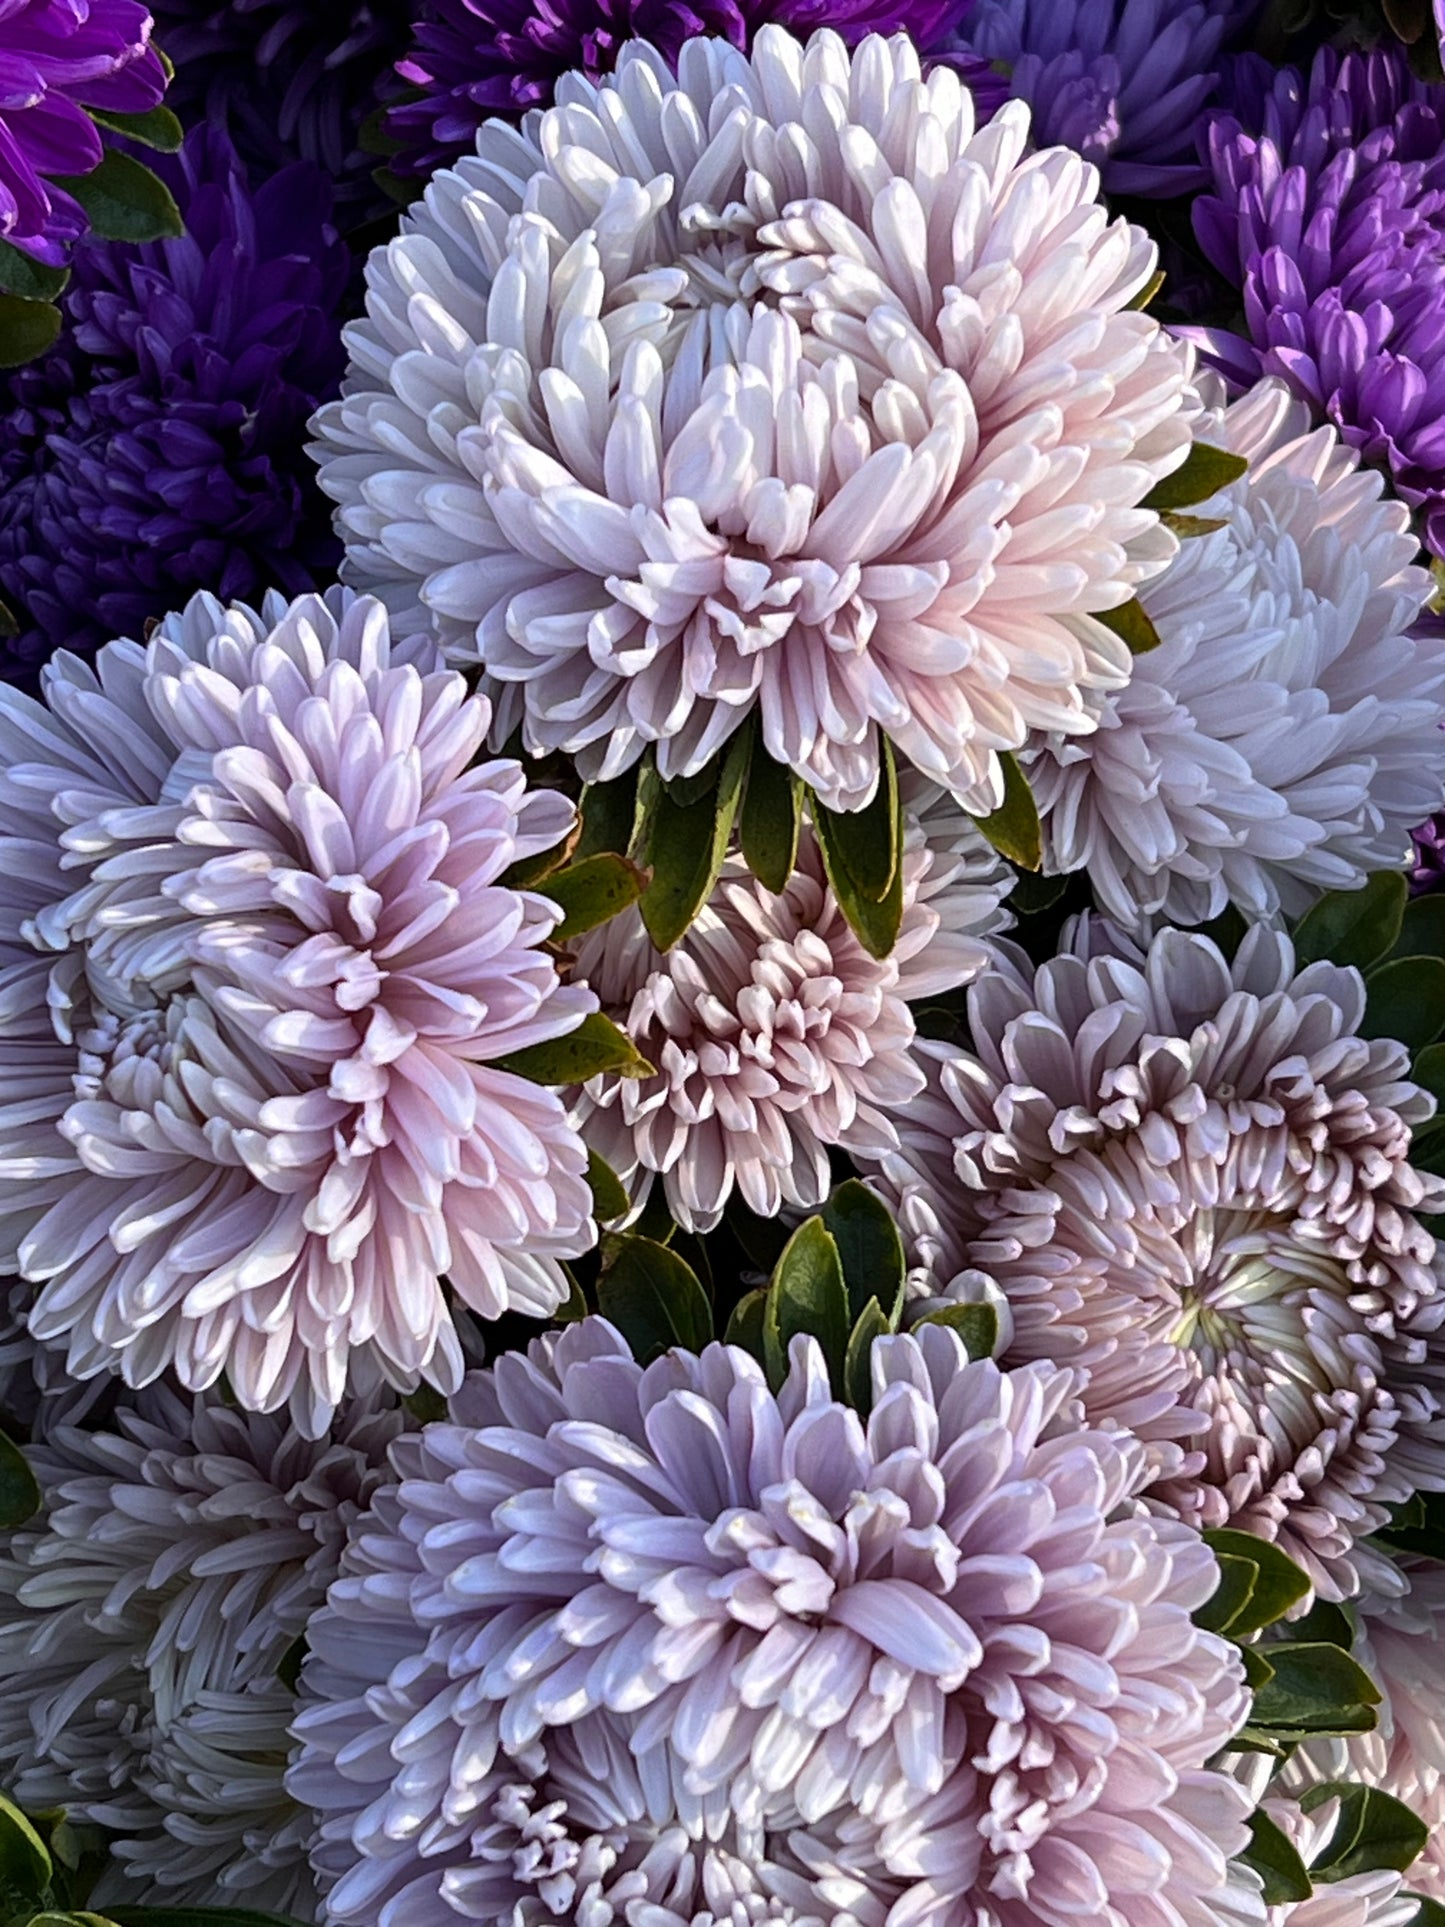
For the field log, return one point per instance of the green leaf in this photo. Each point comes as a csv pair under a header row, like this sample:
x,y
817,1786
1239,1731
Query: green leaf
x,y
1013,828
124,201
771,817
686,844
426,1404
1279,1583
870,1323
1315,1689
1374,1831
20,275
869,1248
1205,470
1418,1526
874,920
1422,933
25,1864
1326,1621
1405,999
27,328
1147,293
574,1306
73,1920
1230,1599
159,128
197,1917
1131,623
745,1326
597,1045
9,625
609,1195
1032,894
1257,1669
288,1667
592,891
1188,527
1274,1857
1429,1914
976,1325
652,1296
609,816
19,1489
1353,926
806,1294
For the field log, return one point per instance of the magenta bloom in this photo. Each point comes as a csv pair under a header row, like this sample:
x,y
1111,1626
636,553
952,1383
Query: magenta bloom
x,y
57,58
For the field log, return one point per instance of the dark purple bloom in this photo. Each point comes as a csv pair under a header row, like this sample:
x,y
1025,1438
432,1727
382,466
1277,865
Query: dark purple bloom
x,y
160,448
1429,871
1121,81
58,57
1328,212
288,80
475,59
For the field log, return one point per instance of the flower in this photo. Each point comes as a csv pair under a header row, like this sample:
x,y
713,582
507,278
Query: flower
x,y
288,80
1191,1179
158,449
773,1031
625,1635
261,970
930,483
1374,1899
476,58
1428,871
1287,734
1124,83
61,57
143,1616
1327,212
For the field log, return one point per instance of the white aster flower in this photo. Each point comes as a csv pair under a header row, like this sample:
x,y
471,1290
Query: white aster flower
x,y
659,1636
1286,736
1193,1180
774,1034
143,1616
260,962
772,386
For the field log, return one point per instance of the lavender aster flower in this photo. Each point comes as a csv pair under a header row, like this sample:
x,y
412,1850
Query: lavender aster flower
x,y
659,1645
143,1616
1329,212
1192,1179
158,449
58,57
261,965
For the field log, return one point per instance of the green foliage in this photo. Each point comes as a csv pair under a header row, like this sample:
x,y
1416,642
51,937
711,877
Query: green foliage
x,y
976,1325
27,329
1258,1585
1422,929
1353,926
158,129
609,816
1147,293
20,275
863,857
869,1248
1204,472
1277,1862
609,1195
595,1046
19,1491
124,201
1013,828
1373,1830
1313,1689
684,833
1418,1526
1131,623
592,892
1406,1000
770,820
1187,527
807,1295
653,1297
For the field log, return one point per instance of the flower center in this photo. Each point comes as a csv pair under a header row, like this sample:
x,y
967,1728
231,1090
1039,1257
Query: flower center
x,y
1254,1295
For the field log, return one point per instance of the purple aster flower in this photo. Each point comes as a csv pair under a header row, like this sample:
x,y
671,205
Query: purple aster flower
x,y
1328,212
473,59
159,449
1123,81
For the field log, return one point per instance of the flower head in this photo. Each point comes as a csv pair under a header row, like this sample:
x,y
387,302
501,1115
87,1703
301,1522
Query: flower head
x,y
261,968
1192,1179
157,450
660,1635
59,58
1286,735
723,415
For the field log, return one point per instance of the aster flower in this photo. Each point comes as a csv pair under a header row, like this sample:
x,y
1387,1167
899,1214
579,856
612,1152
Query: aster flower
x,y
932,480
157,450
1287,734
261,967
774,1033
1327,212
58,58
143,1616
627,1636
1191,1178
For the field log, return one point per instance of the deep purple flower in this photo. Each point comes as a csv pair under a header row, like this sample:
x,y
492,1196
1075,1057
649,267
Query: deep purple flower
x,y
1121,81
288,80
58,57
160,448
1329,212
473,59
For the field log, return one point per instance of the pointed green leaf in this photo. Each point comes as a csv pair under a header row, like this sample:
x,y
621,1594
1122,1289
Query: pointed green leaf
x,y
1274,1857
158,129
124,201
1405,999
869,1247
1315,1689
1230,1599
609,1194
1374,1830
19,1489
609,816
1205,470
592,892
771,817
1429,1913
597,1045
1422,930
870,1323
1189,527
25,1864
976,1325
20,275
868,843
71,1920
745,1325
1013,828
807,1294
686,845
1257,1670
1279,1583
1147,293
874,921
27,329
652,1296
1353,926
1131,623
1326,1621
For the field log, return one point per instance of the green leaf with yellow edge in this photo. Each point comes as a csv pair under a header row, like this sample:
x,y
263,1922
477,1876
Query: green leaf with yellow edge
x,y
1230,1598
1374,1831
124,201
874,921
870,1323
1278,1585
976,1325
592,892
609,1194
25,1864
1275,1858
686,843
159,128
32,279
596,1046
1013,828
869,1248
1131,623
1316,1689
1147,293
1190,527
806,1294
1204,471
609,816
770,820
745,1327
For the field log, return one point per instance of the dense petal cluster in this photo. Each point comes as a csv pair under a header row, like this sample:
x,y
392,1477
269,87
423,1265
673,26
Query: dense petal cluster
x,y
627,1636
158,450
1328,211
1287,735
775,386
57,58
1192,1179
260,968
143,1616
